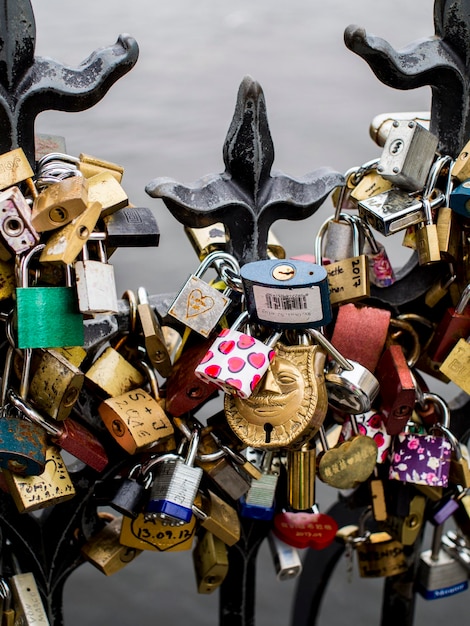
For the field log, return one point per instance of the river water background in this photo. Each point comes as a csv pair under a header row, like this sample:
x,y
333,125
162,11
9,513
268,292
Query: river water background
x,y
169,117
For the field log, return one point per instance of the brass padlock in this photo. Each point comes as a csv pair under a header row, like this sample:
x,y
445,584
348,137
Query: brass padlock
x,y
218,517
104,550
105,189
59,203
155,535
89,166
113,374
154,339
14,168
210,560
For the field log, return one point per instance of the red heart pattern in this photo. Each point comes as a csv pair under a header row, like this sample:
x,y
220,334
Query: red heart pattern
x,y
236,364
256,359
246,342
226,347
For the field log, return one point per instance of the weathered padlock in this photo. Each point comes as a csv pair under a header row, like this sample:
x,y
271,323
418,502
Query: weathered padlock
x,y
423,458
175,484
136,420
456,365
59,203
104,550
286,293
37,307
52,486
131,227
210,561
95,282
351,387
288,405
55,384
16,230
155,534
198,305
237,361
112,374
14,168
29,607
348,279
218,517
439,575
407,155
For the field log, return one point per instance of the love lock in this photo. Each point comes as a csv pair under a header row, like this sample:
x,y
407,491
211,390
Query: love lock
x,y
302,529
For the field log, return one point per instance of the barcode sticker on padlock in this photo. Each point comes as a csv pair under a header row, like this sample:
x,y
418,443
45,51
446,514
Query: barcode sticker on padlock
x,y
300,306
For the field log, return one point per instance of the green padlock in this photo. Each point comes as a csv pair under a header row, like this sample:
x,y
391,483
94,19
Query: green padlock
x,y
46,317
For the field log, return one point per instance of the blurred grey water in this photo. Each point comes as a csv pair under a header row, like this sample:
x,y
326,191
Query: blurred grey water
x,y
169,117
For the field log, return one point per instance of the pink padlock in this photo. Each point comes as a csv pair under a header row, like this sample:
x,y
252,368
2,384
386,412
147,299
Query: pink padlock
x,y
236,361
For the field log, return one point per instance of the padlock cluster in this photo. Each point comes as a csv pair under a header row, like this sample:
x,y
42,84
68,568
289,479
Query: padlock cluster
x,y
225,405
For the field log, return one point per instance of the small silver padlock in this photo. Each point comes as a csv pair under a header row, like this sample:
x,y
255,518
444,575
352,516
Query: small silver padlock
x,y
236,361
16,229
407,155
287,293
259,501
198,305
175,485
286,558
96,285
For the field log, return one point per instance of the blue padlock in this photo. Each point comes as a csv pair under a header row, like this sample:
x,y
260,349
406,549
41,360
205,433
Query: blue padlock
x,y
287,293
459,199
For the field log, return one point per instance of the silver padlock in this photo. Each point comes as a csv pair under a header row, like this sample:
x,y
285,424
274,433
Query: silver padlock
x,y
96,285
286,558
198,305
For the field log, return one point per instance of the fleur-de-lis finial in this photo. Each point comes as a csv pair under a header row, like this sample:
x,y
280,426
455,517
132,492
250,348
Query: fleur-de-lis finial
x,y
30,85
247,197
441,61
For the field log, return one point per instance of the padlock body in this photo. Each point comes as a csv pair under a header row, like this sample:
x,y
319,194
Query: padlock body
x,y
421,459
287,293
459,200
174,490
82,444
377,559
15,222
441,577
96,287
152,533
391,211
105,552
131,227
452,327
48,317
457,365
235,362
22,446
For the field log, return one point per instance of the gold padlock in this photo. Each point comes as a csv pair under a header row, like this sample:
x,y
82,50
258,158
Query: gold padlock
x,y
104,550
153,534
105,189
210,560
59,203
113,374
64,245
90,166
53,486
14,168
218,517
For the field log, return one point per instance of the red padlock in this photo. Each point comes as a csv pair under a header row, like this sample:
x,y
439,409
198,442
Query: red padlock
x,y
397,395
305,530
454,325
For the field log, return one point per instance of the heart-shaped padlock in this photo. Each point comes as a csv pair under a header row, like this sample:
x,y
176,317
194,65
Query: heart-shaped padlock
x,y
302,529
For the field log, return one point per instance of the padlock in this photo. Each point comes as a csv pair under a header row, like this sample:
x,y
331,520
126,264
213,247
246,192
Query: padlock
x,y
107,191
104,550
348,279
370,183
237,361
53,167
70,435
157,535
286,293
22,444
131,493
301,469
154,339
439,575
198,305
351,387
394,210
397,395
305,529
7,279
131,226
406,529
459,199
135,420
7,612
29,608
112,374
381,273
454,325
338,244
16,230
407,155
65,244
423,458
55,385
259,501
14,168
370,326
460,167
37,307
218,517
456,365
288,405
286,559
95,282
175,484
52,486
442,510
90,165
210,559
347,464
59,203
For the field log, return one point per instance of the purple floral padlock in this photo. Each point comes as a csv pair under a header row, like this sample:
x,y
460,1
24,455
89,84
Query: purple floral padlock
x,y
372,425
424,459
236,361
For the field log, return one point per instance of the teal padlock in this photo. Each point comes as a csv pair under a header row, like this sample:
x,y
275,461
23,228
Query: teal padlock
x,y
46,317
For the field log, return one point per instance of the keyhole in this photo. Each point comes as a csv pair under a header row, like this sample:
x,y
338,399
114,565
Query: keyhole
x,y
268,429
396,146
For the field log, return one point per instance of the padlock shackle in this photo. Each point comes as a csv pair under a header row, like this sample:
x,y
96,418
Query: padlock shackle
x,y
22,264
340,360
463,300
32,415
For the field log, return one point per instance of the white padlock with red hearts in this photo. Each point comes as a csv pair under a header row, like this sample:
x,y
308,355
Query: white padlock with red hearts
x,y
236,361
